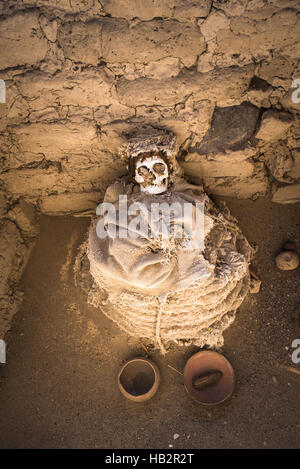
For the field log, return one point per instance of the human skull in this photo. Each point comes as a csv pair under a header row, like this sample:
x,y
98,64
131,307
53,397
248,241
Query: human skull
x,y
151,173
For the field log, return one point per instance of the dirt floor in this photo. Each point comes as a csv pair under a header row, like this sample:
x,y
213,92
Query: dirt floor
x,y
59,386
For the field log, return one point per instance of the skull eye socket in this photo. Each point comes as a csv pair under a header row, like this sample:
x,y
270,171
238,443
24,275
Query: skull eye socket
x,y
143,171
159,168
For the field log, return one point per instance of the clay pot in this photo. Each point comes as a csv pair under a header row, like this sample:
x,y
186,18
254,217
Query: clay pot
x,y
139,379
207,362
287,260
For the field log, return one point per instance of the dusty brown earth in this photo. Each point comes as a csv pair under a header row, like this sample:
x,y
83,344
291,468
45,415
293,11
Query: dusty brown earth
x,y
59,389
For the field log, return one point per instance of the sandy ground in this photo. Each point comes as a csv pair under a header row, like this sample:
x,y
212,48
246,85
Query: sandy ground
x,y
59,389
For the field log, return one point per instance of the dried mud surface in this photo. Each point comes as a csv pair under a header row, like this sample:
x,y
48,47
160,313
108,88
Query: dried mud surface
x,y
90,73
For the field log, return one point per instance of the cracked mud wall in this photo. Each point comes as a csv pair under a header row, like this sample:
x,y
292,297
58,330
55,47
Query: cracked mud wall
x,y
18,232
82,76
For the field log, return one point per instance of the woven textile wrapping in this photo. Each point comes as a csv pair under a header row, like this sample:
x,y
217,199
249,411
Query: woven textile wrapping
x,y
170,289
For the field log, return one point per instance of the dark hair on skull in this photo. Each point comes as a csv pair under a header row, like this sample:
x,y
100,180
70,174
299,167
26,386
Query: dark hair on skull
x,y
160,143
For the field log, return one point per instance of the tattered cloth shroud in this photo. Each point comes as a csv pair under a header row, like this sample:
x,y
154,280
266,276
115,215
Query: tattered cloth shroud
x,y
168,290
